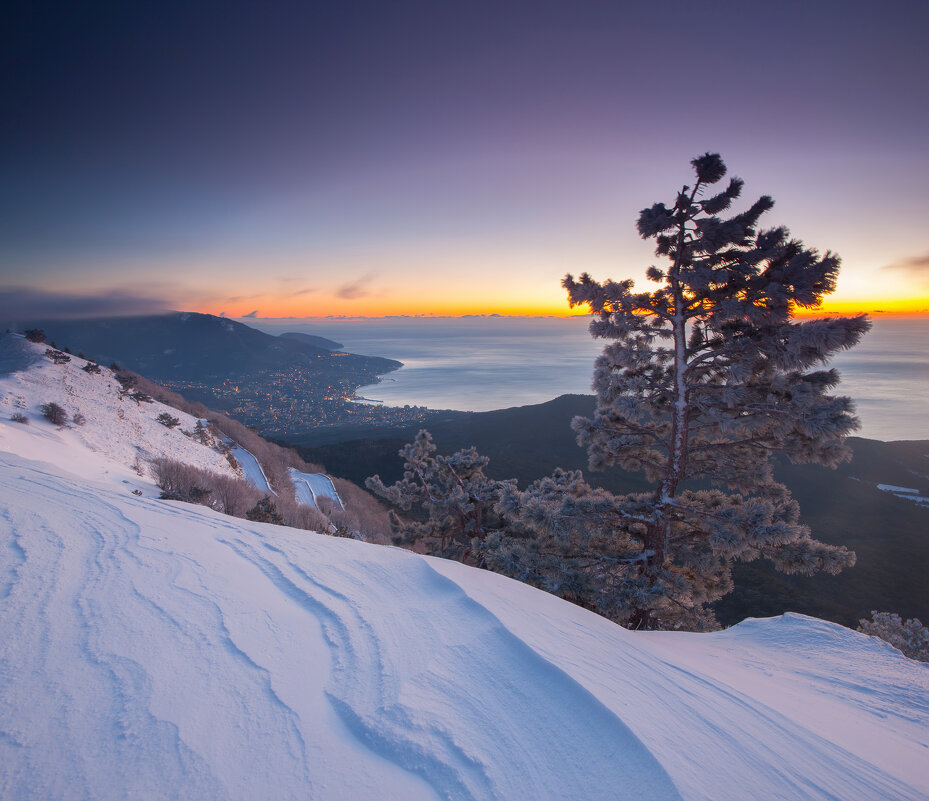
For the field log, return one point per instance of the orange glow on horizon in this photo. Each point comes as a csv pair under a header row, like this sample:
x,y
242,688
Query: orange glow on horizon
x,y
532,301
910,307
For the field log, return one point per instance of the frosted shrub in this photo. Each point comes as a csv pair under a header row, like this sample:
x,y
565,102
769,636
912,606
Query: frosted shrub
x,y
911,638
54,413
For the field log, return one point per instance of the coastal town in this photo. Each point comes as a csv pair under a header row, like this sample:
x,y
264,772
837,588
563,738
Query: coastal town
x,y
281,403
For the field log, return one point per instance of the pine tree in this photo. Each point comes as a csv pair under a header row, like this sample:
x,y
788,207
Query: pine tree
x,y
264,511
703,381
911,637
452,500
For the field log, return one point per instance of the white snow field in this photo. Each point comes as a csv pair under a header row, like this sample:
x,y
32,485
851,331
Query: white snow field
x,y
310,487
159,650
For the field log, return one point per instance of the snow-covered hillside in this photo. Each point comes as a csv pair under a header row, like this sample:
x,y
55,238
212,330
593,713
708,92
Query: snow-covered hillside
x,y
153,649
124,434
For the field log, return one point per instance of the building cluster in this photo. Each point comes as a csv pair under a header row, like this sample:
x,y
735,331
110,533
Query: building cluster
x,y
278,403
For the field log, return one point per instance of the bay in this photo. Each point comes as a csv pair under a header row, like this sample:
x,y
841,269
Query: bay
x,y
485,363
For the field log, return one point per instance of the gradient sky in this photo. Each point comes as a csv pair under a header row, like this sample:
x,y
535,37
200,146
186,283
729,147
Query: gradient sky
x,y
379,158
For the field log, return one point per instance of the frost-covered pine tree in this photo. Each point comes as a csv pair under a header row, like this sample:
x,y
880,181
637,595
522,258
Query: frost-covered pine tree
x,y
703,381
911,638
452,500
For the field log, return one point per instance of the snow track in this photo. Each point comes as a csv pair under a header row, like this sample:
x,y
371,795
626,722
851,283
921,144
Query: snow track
x,y
251,469
310,487
159,650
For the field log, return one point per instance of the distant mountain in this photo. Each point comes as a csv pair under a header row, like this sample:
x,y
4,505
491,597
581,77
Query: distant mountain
x,y
312,339
192,346
843,506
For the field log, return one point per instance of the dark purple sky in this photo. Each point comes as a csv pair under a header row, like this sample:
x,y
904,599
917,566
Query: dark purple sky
x,y
238,156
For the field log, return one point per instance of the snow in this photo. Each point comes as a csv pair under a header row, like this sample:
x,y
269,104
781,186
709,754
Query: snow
x,y
907,493
125,435
153,649
251,469
311,486
892,488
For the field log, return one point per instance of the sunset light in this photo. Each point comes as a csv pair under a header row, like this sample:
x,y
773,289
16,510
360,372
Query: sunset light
x,y
442,161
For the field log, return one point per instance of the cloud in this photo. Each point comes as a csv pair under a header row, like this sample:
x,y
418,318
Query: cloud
x,y
24,304
305,291
251,314
915,267
359,288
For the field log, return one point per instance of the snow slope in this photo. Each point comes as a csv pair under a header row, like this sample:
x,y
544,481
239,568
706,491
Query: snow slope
x,y
159,650
123,434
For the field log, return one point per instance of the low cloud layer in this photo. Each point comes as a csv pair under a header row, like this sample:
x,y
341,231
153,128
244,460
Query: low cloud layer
x,y
359,288
23,304
916,268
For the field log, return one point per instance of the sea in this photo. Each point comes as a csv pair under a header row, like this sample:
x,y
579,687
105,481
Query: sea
x,y
483,363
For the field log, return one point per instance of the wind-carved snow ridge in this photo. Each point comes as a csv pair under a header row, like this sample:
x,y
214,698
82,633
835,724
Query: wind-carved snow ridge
x,y
395,702
91,704
153,650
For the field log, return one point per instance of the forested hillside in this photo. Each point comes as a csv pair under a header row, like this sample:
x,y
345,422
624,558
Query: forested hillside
x,y
842,506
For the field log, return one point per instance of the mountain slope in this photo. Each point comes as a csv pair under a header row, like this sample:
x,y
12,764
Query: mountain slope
x,y
123,434
192,346
161,650
313,339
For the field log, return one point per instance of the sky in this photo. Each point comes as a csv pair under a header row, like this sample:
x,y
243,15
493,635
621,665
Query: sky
x,y
441,158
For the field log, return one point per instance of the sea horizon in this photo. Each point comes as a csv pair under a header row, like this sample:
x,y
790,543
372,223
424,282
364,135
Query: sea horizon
x,y
485,363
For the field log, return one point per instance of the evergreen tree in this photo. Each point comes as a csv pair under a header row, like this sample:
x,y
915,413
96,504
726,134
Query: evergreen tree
x,y
911,637
265,512
704,379
451,499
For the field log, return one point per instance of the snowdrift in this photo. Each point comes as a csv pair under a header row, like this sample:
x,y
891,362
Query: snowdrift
x,y
159,650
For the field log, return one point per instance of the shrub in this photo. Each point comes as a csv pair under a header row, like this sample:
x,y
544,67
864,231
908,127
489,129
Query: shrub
x,y
36,335
180,482
78,419
91,367
126,380
363,514
232,496
57,356
167,420
911,638
54,413
265,512
19,417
